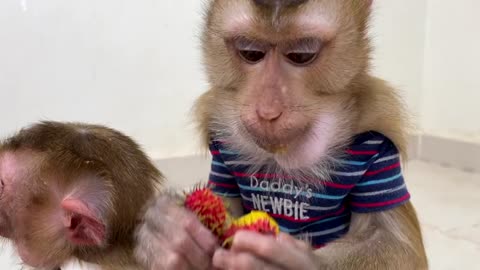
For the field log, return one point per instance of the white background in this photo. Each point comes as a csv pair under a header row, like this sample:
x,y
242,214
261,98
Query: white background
x,y
450,104
135,65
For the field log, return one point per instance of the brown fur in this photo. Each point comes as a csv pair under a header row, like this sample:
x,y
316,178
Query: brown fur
x,y
381,109
387,240
61,154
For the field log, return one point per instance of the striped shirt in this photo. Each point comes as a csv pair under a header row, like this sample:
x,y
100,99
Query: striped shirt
x,y
369,179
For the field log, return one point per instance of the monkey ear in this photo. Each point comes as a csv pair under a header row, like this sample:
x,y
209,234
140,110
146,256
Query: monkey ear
x,y
84,227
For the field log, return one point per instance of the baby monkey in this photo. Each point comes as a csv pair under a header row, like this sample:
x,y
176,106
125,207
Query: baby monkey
x,y
71,190
298,127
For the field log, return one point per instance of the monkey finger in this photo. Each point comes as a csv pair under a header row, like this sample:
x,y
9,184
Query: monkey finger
x,y
186,246
200,234
154,252
203,236
172,261
270,249
168,218
289,240
227,260
181,232
183,243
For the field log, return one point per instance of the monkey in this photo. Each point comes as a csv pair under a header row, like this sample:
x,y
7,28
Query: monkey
x,y
297,126
74,191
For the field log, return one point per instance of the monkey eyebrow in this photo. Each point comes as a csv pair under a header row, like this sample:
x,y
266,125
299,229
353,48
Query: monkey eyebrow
x,y
304,45
244,43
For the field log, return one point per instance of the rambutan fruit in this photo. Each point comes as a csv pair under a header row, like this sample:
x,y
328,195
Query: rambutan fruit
x,y
256,221
209,208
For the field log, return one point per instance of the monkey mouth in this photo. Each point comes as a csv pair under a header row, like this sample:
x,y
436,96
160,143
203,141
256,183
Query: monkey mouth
x,y
277,140
275,145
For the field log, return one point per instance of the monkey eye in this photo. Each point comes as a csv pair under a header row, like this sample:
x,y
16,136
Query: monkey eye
x,y
301,58
252,57
303,52
250,51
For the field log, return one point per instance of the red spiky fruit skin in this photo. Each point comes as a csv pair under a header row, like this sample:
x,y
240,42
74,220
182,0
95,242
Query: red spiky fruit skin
x,y
256,221
209,208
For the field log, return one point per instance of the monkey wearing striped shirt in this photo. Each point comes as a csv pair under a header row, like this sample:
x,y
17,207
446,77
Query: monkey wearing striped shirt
x,y
298,127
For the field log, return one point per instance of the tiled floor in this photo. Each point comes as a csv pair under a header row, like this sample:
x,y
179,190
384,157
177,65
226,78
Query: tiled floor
x,y
447,200
448,203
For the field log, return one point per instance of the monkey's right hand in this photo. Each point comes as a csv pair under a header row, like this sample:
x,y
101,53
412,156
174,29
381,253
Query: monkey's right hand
x,y
172,238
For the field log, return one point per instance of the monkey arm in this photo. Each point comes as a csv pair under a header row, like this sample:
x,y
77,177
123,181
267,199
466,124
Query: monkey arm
x,y
383,240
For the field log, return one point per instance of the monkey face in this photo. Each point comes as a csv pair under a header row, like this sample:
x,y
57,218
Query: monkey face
x,y
23,204
281,74
10,181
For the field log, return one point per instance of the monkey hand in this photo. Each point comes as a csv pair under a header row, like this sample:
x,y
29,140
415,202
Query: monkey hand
x,y
172,238
252,250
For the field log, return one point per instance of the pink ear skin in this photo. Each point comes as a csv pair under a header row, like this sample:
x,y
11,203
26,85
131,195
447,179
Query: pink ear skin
x,y
84,228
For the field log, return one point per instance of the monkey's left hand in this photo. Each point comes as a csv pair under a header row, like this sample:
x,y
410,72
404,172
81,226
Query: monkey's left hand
x,y
252,250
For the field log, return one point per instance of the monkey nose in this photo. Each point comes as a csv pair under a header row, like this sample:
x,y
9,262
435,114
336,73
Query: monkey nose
x,y
269,113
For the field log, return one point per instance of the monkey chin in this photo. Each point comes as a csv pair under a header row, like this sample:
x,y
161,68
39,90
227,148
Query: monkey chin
x,y
313,147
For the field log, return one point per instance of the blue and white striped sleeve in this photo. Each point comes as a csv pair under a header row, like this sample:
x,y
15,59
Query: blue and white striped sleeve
x,y
221,179
382,187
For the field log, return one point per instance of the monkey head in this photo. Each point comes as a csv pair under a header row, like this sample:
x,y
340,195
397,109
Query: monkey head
x,y
283,76
72,191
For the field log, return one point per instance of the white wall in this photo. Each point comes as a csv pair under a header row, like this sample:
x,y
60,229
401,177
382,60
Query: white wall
x,y
452,70
398,33
430,51
133,65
